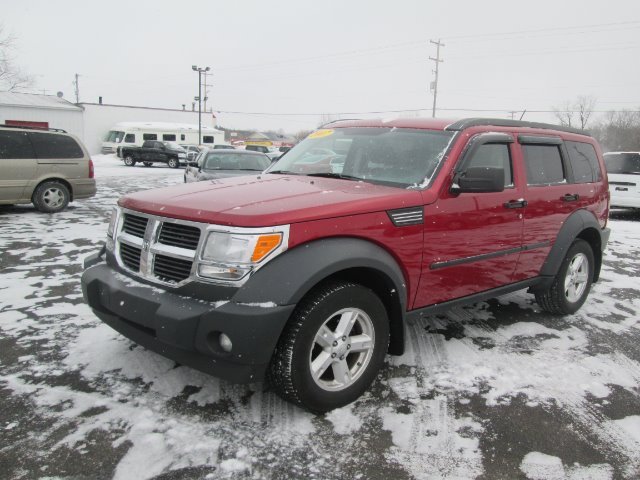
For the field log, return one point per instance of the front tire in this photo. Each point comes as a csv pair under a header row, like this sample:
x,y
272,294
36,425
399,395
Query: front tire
x,y
332,348
571,285
173,163
51,197
129,161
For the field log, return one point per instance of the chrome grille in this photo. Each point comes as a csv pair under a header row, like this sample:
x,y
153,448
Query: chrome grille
x,y
134,225
169,269
179,235
130,256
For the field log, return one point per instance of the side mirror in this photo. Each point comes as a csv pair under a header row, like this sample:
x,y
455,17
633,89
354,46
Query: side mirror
x,y
479,180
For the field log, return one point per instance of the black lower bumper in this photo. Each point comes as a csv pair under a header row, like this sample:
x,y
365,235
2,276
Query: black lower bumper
x,y
185,329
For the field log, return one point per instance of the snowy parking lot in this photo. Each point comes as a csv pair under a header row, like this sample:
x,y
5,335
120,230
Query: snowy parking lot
x,y
499,389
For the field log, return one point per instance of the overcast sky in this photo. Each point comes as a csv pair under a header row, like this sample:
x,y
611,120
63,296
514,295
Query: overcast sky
x,y
273,59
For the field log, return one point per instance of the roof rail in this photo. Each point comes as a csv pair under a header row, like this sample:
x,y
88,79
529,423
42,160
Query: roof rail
x,y
501,122
339,120
28,127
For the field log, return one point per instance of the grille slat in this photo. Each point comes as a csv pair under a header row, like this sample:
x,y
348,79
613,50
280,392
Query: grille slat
x,y
177,235
134,225
130,256
171,269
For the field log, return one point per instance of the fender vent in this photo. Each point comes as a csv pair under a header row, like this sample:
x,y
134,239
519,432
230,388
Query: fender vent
x,y
407,216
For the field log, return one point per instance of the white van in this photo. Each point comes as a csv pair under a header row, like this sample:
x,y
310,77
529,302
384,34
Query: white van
x,y
135,133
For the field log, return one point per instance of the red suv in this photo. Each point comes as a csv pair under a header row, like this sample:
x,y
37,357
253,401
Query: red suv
x,y
306,273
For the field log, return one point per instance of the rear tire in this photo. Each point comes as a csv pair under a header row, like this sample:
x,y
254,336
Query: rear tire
x,y
51,197
173,163
571,285
332,348
129,161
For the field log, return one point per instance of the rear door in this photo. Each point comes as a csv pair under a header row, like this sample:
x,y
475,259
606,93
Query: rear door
x,y
553,191
18,165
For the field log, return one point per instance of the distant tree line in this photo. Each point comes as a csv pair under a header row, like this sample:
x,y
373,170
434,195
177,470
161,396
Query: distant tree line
x,y
614,130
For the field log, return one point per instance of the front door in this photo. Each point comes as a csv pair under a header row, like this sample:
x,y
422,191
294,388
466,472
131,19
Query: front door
x,y
472,240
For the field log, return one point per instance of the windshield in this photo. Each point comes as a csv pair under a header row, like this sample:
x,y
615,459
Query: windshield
x,y
394,156
622,162
115,136
235,161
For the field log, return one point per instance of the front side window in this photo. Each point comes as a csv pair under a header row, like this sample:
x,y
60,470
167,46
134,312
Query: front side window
x,y
399,157
626,163
130,138
494,155
15,145
584,162
149,136
543,164
48,145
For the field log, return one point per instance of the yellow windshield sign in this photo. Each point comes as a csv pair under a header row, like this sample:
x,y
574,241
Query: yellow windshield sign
x,y
325,132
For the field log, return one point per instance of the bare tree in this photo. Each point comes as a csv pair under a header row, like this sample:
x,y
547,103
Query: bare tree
x,y
576,113
11,76
584,106
564,114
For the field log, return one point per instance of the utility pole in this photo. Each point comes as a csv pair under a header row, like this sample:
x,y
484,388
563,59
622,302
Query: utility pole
x,y
200,70
206,91
76,87
438,61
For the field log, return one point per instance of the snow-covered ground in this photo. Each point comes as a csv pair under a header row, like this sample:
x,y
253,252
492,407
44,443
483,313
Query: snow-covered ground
x,y
497,389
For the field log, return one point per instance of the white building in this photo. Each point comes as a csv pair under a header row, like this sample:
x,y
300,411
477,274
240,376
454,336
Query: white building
x,y
42,111
88,121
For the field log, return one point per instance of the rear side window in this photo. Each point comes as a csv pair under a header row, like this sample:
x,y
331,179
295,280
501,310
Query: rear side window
x,y
584,162
130,138
207,139
49,145
543,164
149,136
15,145
168,137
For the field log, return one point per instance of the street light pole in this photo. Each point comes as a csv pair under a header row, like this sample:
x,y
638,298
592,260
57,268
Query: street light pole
x,y
195,68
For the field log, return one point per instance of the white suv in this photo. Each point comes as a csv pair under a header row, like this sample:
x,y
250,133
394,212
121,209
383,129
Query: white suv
x,y
623,169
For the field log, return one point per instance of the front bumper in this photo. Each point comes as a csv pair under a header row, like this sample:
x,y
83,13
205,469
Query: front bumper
x,y
186,329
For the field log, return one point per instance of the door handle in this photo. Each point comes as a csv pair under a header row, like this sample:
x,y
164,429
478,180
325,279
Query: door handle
x,y
570,197
520,203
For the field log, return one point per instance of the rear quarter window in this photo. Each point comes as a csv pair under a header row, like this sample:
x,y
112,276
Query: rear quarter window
x,y
15,145
584,162
50,145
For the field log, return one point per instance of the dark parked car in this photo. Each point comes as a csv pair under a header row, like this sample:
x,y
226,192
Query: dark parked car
x,y
153,151
223,163
307,274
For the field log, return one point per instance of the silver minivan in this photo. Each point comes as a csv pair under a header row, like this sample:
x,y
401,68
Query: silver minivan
x,y
46,167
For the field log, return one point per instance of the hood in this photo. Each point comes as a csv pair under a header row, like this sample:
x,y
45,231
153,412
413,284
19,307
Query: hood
x,y
264,200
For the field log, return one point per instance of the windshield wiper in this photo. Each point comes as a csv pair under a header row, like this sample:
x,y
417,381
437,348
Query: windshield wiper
x,y
283,172
333,175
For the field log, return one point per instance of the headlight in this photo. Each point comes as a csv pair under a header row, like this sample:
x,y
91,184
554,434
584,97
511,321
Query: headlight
x,y
112,222
231,255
